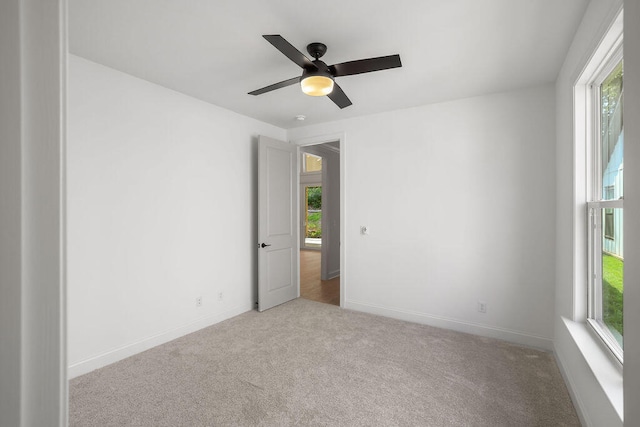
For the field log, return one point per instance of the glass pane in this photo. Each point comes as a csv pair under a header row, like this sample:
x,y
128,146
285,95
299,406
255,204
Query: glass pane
x,y
612,134
313,217
612,273
312,163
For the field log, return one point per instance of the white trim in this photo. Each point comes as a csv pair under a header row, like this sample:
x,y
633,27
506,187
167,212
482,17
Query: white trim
x,y
63,14
599,328
607,372
321,139
572,387
612,25
331,148
513,336
117,354
606,204
310,177
333,274
610,60
579,239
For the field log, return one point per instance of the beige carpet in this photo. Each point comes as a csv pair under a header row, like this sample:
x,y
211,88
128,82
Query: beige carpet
x,y
305,363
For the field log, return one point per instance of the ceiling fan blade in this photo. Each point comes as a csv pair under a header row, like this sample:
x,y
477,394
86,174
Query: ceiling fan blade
x,y
275,86
365,65
338,96
290,52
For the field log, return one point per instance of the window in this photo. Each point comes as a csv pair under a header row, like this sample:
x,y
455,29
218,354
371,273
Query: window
x,y
311,163
313,216
605,201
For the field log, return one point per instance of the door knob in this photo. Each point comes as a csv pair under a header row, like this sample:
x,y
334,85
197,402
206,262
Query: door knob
x,y
264,245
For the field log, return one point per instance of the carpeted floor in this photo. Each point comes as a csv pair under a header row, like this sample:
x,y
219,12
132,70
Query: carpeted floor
x,y
305,363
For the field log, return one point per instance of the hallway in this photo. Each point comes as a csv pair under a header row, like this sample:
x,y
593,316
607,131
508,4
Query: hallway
x,y
311,287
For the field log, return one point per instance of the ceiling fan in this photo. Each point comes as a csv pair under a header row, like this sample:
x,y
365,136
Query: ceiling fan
x,y
318,78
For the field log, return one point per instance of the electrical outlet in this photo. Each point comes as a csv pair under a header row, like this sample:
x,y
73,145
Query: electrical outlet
x,y
482,306
199,302
220,296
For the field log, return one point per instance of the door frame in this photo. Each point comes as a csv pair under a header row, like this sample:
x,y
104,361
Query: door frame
x,y
317,140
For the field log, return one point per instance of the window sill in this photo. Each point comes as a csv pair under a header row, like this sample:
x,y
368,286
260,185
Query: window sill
x,y
606,370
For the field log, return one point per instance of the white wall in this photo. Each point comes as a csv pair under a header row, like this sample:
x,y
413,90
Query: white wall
x,y
32,317
632,214
459,198
161,202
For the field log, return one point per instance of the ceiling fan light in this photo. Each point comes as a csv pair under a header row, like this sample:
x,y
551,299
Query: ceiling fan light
x,y
317,85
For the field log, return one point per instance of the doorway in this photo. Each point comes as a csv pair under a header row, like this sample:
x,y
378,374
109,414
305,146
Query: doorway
x,y
320,222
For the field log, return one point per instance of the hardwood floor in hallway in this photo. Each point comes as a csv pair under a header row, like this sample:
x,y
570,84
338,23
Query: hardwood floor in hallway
x,y
311,287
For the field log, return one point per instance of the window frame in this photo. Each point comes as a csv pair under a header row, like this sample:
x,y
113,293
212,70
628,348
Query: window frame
x,y
303,161
596,204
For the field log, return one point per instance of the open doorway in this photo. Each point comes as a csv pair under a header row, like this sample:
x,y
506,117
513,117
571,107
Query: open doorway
x,y
320,222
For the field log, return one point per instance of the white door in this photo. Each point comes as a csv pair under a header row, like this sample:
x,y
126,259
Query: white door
x,y
278,278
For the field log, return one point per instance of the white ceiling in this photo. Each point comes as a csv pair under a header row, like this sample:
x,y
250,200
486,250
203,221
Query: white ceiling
x,y
213,49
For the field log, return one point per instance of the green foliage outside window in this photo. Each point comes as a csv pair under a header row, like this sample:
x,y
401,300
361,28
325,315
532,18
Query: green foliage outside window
x,y
314,215
314,197
612,291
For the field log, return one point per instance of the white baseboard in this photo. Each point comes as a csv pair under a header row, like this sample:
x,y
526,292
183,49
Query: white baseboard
x,y
112,356
453,324
575,397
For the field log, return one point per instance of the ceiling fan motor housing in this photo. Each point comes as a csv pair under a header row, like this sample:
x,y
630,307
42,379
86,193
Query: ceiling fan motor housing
x,y
322,70
316,49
